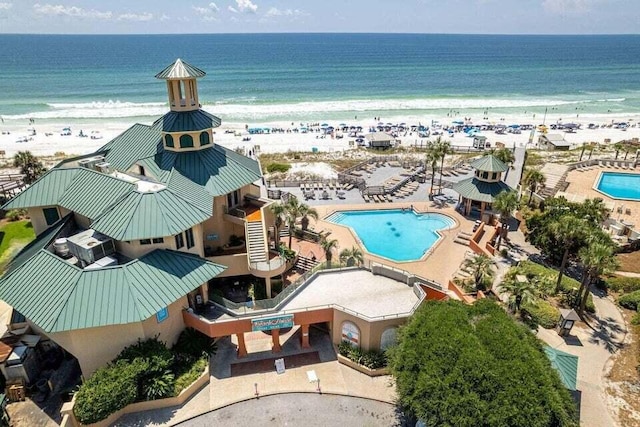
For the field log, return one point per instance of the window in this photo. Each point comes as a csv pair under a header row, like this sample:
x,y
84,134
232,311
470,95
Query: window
x,y
51,215
168,140
145,241
179,241
186,141
494,175
162,315
485,175
158,240
141,170
388,338
233,198
189,235
204,138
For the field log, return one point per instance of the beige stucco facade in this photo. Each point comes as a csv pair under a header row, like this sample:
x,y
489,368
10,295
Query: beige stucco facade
x,y
95,347
370,331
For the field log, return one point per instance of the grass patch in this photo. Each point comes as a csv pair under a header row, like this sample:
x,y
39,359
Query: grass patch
x,y
13,237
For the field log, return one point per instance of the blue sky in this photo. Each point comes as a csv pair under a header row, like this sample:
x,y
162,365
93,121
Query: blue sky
x,y
247,16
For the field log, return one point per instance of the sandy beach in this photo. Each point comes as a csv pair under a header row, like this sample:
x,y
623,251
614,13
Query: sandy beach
x,y
48,139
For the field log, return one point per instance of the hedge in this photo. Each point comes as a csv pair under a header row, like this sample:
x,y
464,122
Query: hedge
x,y
622,283
630,301
541,313
278,167
372,359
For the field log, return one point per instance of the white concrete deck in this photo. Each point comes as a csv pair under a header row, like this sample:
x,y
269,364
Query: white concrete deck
x,y
357,290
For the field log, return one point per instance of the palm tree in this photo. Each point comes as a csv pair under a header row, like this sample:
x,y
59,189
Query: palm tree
x,y
352,256
307,212
618,146
432,160
568,231
444,148
596,259
29,166
279,212
505,203
519,292
481,267
328,246
533,178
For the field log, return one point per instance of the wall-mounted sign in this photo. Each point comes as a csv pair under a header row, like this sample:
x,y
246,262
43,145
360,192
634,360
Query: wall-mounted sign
x,y
162,315
351,333
269,323
212,237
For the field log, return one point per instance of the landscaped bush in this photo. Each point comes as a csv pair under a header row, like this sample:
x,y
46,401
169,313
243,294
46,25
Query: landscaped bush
x,y
372,359
541,313
278,167
571,299
15,214
630,301
622,283
146,370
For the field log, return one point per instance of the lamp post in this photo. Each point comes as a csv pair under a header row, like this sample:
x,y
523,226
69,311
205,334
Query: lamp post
x,y
255,385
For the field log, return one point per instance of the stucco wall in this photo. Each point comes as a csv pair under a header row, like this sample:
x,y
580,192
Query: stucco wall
x,y
95,347
369,332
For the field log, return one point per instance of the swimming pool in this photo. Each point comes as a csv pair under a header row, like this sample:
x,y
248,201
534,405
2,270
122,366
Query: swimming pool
x,y
394,234
619,185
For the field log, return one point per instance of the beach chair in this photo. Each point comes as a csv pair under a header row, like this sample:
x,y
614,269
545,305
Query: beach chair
x,y
388,198
375,198
628,211
366,198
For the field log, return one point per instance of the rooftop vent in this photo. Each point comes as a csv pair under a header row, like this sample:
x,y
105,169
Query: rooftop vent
x,y
90,246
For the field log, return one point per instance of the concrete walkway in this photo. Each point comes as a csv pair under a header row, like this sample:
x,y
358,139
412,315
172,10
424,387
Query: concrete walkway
x,y
515,174
594,344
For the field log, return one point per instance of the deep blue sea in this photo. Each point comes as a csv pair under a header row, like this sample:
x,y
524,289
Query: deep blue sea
x,y
271,77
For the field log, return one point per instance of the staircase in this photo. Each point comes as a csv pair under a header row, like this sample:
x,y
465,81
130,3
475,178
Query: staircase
x,y
256,243
305,264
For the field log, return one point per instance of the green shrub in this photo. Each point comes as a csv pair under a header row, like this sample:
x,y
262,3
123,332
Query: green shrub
x,y
571,299
372,359
541,313
630,301
623,284
635,320
15,214
185,379
108,390
195,344
278,167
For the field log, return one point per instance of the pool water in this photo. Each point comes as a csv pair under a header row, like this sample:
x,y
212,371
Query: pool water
x,y
620,185
394,234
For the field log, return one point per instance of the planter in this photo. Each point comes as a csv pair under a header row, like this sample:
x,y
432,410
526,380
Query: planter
x,y
228,247
361,368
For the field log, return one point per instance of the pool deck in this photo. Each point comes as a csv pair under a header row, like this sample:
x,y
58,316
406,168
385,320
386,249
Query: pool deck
x,y
582,183
439,265
358,290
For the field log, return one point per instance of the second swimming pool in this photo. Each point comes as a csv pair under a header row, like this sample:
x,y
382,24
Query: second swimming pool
x,y
395,234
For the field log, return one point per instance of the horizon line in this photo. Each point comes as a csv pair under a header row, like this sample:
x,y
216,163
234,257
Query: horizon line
x,y
320,33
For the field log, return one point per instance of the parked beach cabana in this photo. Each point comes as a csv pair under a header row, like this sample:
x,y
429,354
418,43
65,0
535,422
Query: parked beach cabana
x,y
379,140
481,190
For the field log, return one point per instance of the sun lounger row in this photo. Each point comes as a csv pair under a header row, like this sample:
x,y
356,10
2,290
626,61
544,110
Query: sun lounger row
x,y
319,186
615,164
377,198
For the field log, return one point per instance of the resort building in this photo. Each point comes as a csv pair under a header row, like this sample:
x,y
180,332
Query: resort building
x,y
478,192
554,141
140,238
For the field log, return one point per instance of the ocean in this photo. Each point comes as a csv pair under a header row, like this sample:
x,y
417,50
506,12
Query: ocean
x,y
258,78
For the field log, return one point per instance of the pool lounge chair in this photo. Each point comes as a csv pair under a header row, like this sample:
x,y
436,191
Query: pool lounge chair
x,y
366,198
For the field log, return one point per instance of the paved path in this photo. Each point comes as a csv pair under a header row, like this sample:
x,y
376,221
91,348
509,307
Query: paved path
x,y
514,175
298,409
594,346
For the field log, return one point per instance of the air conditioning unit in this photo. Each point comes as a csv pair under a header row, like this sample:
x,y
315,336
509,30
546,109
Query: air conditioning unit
x,y
91,162
89,246
85,163
103,167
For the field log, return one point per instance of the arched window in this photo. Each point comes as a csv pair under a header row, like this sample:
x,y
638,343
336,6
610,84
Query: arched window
x,y
168,140
388,338
186,141
204,138
351,333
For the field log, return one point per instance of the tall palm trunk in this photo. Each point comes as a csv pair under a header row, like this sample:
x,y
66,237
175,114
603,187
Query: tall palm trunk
x,y
433,178
584,296
531,189
563,265
441,167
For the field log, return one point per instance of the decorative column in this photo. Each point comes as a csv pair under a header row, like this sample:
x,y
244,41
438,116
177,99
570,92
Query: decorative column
x,y
304,336
268,284
242,347
275,336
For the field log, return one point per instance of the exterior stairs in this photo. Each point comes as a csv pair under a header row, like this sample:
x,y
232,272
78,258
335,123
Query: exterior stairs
x,y
256,242
305,264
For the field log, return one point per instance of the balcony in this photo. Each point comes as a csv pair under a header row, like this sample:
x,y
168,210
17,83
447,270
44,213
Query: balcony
x,y
275,265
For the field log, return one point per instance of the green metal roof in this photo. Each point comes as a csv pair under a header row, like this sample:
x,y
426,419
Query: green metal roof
x,y
481,191
152,214
58,296
80,190
187,121
489,163
137,142
566,364
180,70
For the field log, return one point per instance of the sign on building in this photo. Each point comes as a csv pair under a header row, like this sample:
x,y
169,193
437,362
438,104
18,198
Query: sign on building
x,y
269,323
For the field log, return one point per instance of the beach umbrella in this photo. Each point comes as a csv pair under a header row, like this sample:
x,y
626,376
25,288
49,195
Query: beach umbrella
x,y
324,125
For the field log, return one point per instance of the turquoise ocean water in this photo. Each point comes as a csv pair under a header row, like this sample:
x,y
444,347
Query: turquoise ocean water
x,y
302,77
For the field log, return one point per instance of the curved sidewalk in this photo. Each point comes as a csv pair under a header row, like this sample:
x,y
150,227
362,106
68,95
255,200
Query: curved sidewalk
x,y
594,346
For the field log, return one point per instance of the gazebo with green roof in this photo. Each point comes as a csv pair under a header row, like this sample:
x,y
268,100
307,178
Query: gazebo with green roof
x,y
481,190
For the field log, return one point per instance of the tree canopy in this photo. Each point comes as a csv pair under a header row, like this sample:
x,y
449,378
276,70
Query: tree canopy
x,y
460,365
